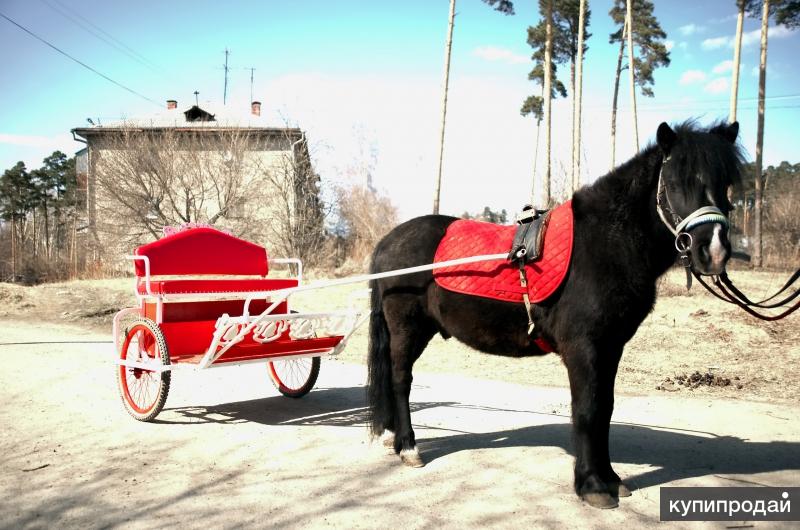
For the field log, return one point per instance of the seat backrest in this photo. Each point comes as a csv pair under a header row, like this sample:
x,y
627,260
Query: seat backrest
x,y
202,251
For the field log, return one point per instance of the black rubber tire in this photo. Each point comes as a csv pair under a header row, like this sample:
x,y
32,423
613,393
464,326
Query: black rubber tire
x,y
294,378
150,406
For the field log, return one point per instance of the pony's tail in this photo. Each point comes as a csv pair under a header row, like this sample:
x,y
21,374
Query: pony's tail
x,y
380,395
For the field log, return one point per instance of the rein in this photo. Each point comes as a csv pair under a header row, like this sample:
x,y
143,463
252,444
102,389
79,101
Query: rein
x,y
732,295
728,292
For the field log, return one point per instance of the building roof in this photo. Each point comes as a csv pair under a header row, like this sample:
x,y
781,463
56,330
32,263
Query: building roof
x,y
225,118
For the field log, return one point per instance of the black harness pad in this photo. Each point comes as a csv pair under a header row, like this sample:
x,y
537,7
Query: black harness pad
x,y
529,236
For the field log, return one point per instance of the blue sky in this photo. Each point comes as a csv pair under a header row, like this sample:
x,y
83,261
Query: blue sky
x,y
364,78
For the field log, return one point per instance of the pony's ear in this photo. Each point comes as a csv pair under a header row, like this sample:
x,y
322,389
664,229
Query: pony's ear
x,y
729,132
665,137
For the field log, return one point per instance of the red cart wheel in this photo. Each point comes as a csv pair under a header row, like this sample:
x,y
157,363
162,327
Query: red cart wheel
x,y
294,377
143,391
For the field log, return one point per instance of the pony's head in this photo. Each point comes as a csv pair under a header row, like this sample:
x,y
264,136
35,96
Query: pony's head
x,y
699,166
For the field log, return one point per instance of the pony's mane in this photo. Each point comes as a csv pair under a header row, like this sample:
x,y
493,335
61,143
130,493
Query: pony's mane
x,y
705,153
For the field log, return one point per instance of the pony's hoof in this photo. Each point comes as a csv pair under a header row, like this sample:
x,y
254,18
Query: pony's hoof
x,y
410,457
603,501
622,490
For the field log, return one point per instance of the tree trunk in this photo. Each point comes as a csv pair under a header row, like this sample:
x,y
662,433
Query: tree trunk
x,y
762,84
571,179
448,46
13,251
47,245
616,95
34,235
548,53
737,50
73,254
629,16
576,124
536,154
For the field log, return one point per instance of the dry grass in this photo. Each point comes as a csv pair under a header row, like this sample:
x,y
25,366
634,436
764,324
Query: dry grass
x,y
686,332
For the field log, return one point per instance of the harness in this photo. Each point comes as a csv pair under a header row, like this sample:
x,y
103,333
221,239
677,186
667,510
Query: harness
x,y
527,247
728,292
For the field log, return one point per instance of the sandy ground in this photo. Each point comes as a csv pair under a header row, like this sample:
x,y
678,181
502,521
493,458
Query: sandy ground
x,y
228,451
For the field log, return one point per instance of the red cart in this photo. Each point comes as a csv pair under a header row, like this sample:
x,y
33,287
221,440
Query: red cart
x,y
205,299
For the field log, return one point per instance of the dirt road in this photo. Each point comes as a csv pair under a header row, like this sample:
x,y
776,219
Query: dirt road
x,y
228,451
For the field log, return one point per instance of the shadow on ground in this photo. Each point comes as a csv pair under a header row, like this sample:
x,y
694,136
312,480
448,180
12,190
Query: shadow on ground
x,y
674,454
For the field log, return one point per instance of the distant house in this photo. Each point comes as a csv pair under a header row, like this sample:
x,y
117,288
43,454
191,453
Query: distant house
x,y
198,165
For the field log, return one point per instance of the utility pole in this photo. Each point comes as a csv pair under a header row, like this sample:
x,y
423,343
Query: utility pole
x,y
225,66
196,100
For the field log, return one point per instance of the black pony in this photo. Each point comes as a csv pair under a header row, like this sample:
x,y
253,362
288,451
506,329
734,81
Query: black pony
x,y
624,239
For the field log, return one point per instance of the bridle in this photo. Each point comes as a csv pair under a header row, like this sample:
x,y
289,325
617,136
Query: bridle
x,y
681,229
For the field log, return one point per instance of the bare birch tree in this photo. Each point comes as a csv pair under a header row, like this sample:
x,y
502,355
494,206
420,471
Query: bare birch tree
x,y
259,188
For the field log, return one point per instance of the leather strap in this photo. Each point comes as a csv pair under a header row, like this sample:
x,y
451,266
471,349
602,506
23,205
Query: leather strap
x,y
741,301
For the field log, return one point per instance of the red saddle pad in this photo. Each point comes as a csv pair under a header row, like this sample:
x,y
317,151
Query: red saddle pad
x,y
500,279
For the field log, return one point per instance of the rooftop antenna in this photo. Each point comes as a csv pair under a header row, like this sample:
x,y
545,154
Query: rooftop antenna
x,y
196,101
251,83
225,90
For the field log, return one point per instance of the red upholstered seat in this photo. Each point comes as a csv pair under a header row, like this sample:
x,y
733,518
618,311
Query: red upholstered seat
x,y
202,251
215,286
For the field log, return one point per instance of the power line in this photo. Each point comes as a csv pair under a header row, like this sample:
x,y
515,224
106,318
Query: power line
x,y
65,54
71,15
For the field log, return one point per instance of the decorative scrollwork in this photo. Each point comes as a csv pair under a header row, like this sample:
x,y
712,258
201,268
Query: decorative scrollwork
x,y
227,331
269,331
302,328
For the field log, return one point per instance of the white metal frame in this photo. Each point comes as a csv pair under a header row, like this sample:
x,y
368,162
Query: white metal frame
x,y
225,337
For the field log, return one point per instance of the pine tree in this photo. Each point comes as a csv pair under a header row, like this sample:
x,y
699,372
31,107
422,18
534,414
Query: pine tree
x,y
648,38
576,15
17,196
554,53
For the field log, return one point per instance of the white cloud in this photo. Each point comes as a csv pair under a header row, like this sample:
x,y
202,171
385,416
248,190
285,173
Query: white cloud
x,y
692,76
683,45
495,53
724,66
26,140
691,29
717,86
716,42
749,38
668,44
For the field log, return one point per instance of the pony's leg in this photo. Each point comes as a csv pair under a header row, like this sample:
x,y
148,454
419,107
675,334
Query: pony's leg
x,y
591,376
409,336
